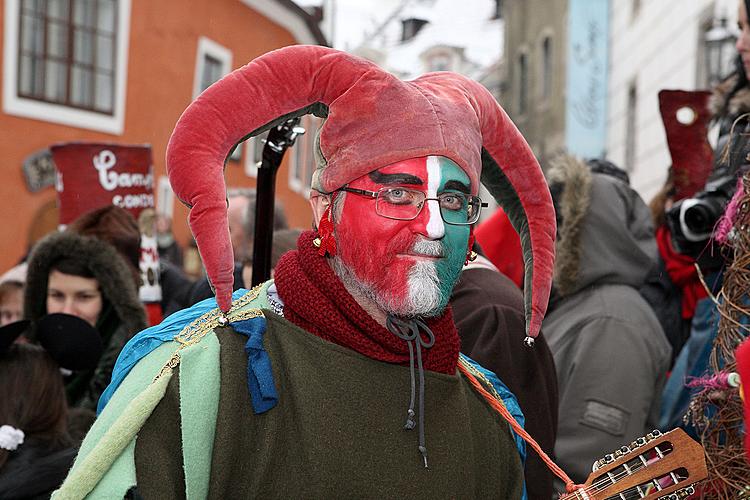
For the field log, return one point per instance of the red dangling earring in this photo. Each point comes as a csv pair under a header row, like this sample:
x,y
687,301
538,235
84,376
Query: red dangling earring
x,y
471,255
325,241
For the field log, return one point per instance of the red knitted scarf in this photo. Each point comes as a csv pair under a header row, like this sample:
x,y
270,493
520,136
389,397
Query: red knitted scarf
x,y
316,300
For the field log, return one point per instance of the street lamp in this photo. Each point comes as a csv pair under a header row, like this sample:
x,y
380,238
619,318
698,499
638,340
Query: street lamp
x,y
719,40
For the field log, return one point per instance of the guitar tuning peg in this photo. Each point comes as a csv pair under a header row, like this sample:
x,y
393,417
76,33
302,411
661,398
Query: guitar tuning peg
x,y
679,494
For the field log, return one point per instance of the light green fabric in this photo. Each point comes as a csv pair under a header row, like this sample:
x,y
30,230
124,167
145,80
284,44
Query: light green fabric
x,y
199,403
200,380
121,475
86,476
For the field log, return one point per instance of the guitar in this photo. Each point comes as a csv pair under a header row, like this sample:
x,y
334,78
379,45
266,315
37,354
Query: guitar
x,y
663,466
280,138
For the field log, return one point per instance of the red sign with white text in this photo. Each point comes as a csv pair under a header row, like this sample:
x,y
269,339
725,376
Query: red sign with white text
x,y
93,175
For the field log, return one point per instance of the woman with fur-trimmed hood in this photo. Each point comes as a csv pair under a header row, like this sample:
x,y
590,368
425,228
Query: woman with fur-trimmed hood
x,y
610,352
85,277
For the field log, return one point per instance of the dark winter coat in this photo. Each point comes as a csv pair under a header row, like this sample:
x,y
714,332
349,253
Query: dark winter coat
x,y
610,352
488,311
122,313
34,471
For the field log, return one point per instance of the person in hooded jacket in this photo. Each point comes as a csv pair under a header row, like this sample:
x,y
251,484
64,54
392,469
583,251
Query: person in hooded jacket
x,y
610,352
88,278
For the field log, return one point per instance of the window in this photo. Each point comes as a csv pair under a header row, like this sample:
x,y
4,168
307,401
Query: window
x,y
546,79
302,164
164,197
498,14
67,52
65,61
630,127
523,82
635,9
439,62
212,62
254,153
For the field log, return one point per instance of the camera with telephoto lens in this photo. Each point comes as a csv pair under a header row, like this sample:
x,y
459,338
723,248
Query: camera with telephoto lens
x,y
692,221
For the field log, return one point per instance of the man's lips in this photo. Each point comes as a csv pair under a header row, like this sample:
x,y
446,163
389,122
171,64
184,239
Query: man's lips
x,y
420,256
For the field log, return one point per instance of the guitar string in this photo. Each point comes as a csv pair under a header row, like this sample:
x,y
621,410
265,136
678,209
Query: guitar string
x,y
617,477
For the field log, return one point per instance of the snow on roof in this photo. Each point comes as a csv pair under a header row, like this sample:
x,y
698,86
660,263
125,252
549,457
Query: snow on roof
x,y
466,26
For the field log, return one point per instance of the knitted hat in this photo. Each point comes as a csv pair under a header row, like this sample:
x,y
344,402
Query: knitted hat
x,y
372,119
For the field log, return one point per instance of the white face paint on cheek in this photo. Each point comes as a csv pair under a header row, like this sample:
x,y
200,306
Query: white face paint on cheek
x,y
435,226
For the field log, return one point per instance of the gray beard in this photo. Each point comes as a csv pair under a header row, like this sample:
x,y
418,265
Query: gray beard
x,y
423,293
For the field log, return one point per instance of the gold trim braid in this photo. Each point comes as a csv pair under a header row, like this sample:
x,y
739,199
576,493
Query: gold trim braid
x,y
201,326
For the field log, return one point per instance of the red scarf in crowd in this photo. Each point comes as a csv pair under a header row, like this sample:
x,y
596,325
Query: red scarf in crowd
x,y
316,300
681,270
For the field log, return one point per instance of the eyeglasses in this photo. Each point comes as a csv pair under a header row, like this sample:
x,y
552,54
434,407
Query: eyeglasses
x,y
400,203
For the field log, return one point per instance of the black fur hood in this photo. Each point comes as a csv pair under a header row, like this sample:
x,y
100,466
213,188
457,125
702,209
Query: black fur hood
x,y
108,267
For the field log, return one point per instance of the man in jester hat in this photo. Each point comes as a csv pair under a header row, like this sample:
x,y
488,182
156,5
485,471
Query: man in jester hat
x,y
342,377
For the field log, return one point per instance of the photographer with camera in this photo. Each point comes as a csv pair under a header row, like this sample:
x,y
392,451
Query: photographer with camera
x,y
692,222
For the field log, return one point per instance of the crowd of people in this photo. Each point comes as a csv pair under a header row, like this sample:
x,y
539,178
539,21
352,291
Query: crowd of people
x,y
401,348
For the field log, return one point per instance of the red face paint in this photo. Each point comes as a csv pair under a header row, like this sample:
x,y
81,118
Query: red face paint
x,y
379,251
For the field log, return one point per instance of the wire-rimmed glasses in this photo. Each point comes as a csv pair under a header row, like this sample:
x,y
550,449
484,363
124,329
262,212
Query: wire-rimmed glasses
x,y
402,203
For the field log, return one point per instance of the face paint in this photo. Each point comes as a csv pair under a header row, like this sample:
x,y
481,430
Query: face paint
x,y
407,267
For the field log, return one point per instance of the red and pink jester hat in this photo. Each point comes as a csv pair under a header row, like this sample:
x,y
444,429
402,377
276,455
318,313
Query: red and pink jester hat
x,y
372,119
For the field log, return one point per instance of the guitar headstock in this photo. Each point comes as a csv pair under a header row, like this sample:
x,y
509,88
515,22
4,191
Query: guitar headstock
x,y
283,136
656,466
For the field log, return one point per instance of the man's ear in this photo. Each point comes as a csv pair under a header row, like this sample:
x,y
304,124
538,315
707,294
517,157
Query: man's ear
x,y
319,202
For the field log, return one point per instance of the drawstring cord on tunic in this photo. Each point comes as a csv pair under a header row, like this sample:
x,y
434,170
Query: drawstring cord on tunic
x,y
408,330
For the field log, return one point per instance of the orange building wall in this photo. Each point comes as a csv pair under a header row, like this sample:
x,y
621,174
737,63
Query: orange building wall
x,y
161,67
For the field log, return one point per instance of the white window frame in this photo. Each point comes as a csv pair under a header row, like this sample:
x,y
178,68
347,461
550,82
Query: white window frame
x,y
251,161
208,47
546,74
59,113
164,197
311,125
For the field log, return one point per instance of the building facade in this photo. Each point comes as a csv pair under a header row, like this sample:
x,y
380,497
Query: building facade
x,y
655,46
119,71
534,72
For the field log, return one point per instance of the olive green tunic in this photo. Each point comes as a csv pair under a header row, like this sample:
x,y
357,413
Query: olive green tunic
x,y
336,432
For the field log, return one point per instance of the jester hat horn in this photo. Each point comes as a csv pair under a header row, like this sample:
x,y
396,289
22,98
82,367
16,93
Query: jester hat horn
x,y
372,119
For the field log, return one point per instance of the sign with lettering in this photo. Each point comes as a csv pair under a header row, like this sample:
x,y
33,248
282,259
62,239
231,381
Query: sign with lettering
x,y
586,86
94,175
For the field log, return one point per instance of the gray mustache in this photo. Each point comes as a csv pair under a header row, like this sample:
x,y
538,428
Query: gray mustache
x,y
429,248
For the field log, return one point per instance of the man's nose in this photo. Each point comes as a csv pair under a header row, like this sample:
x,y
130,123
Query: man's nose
x,y
433,221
